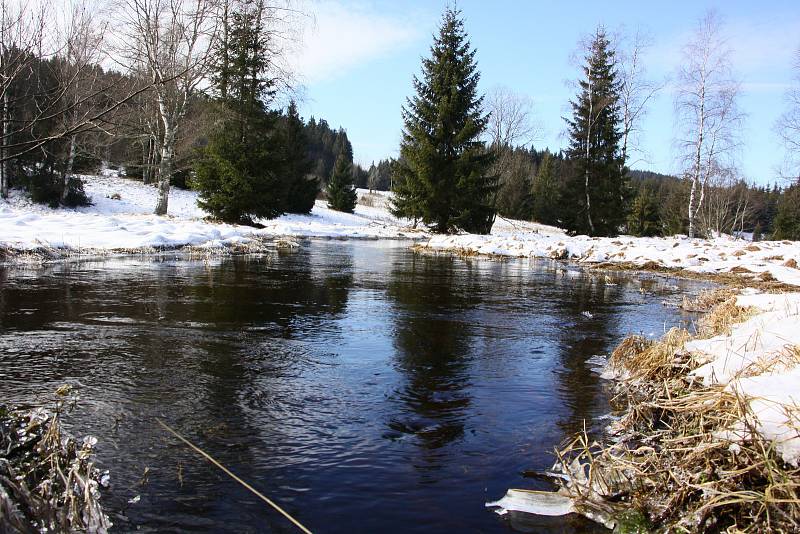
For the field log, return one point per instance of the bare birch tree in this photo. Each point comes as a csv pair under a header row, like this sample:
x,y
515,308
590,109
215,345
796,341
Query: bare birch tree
x,y
172,41
511,120
706,110
788,126
636,90
728,205
79,74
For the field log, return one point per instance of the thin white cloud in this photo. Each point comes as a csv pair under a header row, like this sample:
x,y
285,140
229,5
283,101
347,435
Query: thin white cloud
x,y
761,50
344,35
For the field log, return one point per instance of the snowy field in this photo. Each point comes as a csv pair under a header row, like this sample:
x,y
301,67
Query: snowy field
x,y
121,218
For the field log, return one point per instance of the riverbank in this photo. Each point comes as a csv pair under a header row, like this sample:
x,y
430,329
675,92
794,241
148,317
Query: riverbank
x,y
120,221
764,261
706,435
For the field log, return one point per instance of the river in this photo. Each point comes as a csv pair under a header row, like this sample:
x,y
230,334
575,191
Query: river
x,y
362,387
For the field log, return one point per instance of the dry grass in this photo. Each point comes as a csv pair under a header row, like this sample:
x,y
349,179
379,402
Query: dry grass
x,y
370,200
684,457
707,300
48,482
723,316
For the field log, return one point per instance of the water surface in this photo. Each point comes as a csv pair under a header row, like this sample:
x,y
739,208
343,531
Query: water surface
x,y
364,388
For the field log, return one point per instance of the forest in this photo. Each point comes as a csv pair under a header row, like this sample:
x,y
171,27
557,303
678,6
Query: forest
x,y
166,109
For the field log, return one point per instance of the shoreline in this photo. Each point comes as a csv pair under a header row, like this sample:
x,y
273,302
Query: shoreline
x,y
704,437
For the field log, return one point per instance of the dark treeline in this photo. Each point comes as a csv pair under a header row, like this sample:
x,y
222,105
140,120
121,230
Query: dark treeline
x,y
533,184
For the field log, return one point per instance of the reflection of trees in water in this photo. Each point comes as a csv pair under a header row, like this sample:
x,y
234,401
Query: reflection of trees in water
x,y
580,338
184,341
432,343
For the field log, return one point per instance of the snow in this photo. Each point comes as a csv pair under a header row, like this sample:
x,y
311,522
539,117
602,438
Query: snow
x,y
760,360
720,255
120,218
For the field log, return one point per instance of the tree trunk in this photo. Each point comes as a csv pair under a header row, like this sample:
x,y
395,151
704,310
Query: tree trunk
x,y
698,155
165,168
3,142
588,154
69,168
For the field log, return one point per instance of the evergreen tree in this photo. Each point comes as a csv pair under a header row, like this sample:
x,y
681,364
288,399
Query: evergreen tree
x,y
515,170
545,192
301,186
596,192
757,232
644,219
237,175
341,193
787,221
441,176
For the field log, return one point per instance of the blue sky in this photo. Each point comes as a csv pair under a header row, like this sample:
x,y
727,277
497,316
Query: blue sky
x,y
358,58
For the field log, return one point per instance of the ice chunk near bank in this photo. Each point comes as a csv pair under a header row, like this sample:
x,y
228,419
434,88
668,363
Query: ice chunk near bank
x,y
534,502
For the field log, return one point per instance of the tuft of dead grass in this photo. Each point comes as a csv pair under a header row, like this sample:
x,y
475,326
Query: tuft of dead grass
x,y
722,317
48,482
683,457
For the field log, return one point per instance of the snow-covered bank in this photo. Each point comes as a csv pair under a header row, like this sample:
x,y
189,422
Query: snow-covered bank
x,y
760,360
766,259
120,218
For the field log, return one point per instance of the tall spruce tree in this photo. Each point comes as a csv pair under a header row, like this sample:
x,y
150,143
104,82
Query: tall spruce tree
x,y
341,193
442,176
595,193
238,173
301,186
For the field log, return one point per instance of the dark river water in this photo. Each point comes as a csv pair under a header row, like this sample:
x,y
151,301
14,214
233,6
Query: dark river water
x,y
362,387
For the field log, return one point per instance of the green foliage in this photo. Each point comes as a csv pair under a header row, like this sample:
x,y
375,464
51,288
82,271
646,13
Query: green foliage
x,y
324,146
787,221
644,219
45,187
595,194
237,174
545,193
758,233
442,174
341,193
515,169
301,186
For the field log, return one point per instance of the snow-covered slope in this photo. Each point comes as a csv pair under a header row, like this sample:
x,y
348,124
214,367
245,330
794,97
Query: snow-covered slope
x,y
121,218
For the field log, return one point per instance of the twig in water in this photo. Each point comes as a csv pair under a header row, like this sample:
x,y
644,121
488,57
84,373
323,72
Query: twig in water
x,y
237,479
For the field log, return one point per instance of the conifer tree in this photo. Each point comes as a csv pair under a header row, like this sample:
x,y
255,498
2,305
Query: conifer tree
x,y
595,193
545,192
644,219
442,174
787,220
341,193
237,175
301,186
